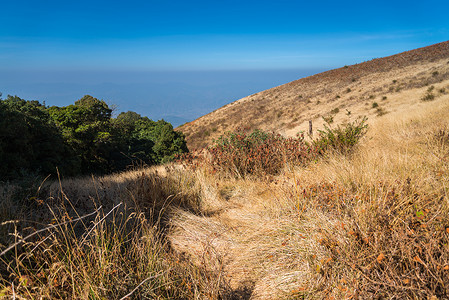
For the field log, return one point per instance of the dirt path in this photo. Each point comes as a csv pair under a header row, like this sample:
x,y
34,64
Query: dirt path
x,y
238,235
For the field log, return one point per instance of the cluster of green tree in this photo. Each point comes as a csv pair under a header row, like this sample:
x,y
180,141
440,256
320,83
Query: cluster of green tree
x,y
81,138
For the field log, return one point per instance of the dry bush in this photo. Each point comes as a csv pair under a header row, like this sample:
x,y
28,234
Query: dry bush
x,y
260,154
384,241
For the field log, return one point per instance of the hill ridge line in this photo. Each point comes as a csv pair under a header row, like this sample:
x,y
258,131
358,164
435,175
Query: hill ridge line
x,y
321,87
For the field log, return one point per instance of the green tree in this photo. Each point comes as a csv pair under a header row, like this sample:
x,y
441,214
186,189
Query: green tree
x,y
148,141
80,138
86,128
168,142
29,141
130,149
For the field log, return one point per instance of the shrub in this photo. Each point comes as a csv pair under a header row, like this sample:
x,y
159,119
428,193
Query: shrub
x,y
240,154
429,96
328,119
342,138
335,110
375,104
380,111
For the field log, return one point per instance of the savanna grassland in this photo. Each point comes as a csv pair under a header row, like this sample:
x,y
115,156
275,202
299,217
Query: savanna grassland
x,y
359,210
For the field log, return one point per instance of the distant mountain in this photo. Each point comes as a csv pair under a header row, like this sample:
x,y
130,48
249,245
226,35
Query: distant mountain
x,y
175,120
371,88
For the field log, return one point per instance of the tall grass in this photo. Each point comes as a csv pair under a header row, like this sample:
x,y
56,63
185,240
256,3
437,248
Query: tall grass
x,y
369,225
380,216
111,253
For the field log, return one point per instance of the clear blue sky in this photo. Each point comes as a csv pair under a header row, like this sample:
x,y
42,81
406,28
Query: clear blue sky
x,y
187,35
148,36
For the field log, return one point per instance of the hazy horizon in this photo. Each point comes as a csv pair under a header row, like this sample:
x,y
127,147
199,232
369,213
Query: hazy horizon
x,y
185,59
177,97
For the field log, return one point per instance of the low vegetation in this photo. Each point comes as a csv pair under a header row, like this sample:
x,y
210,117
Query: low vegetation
x,y
365,217
240,154
429,96
260,153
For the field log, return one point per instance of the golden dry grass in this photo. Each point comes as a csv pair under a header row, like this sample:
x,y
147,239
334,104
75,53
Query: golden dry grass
x,y
318,231
366,225
101,237
371,224
287,108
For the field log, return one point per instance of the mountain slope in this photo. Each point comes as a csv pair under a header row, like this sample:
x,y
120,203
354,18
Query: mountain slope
x,y
370,88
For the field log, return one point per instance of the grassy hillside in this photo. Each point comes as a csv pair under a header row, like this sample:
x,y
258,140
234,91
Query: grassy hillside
x,y
286,109
368,221
371,223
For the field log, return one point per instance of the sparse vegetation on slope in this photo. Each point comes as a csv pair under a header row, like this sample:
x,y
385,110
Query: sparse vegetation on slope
x,y
281,110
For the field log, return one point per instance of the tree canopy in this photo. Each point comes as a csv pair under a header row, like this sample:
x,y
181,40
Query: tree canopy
x,y
81,138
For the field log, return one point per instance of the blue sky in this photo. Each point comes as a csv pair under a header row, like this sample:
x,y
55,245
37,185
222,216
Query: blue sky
x,y
68,41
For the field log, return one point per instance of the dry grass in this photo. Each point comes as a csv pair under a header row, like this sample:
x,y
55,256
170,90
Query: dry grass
x,y
371,225
381,216
310,98
368,224
119,250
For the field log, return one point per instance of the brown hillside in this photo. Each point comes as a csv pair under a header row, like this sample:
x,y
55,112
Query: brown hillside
x,y
370,88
